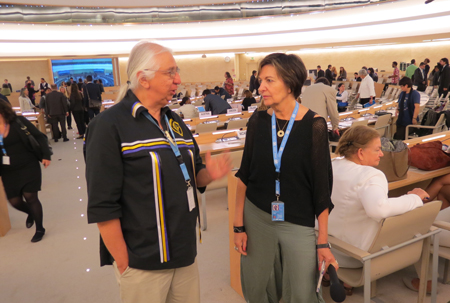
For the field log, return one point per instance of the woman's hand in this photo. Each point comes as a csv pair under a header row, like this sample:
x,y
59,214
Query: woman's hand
x,y
219,166
46,163
324,254
240,242
423,195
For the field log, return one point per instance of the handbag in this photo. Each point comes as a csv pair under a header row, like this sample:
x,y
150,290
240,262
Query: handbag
x,y
93,103
395,162
37,150
429,156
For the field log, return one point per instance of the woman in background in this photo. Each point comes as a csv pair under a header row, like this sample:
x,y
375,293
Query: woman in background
x,y
334,72
63,90
20,169
342,98
31,92
342,74
77,108
229,84
25,103
189,110
248,100
5,90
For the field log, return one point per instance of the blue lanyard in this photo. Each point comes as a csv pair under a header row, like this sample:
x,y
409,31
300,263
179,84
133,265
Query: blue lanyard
x,y
1,145
278,154
173,145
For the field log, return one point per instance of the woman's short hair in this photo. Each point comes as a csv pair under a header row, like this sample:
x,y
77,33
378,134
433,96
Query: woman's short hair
x,y
7,112
228,74
142,63
339,85
184,100
290,69
354,138
248,94
22,92
405,81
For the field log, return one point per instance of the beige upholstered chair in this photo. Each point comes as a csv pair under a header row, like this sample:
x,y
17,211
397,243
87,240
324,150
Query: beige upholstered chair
x,y
382,124
400,242
236,158
233,124
439,127
205,127
361,122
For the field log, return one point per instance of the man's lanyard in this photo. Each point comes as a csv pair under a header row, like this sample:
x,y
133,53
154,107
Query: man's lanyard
x,y
278,154
173,145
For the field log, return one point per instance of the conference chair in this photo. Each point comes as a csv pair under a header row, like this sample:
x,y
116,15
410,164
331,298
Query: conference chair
x,y
174,106
428,90
439,127
198,102
383,125
400,242
206,127
236,158
444,252
360,122
237,124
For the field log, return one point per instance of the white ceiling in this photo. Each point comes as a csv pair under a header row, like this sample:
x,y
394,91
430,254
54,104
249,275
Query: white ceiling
x,y
395,22
120,3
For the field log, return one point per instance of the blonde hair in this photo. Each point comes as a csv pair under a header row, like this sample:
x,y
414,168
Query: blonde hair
x,y
354,138
142,59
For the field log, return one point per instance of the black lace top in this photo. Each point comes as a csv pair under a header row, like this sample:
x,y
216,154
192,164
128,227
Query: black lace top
x,y
306,174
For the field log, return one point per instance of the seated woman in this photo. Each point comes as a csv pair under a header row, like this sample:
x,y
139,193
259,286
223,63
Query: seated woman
x,y
24,101
342,98
360,193
188,109
248,100
5,90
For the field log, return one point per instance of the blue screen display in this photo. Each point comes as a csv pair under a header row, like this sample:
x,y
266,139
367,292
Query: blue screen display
x,y
99,69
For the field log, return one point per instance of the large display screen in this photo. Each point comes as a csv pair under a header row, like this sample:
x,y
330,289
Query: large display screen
x,y
99,69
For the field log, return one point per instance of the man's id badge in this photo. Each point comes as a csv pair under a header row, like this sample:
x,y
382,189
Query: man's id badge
x,y
6,160
191,199
277,211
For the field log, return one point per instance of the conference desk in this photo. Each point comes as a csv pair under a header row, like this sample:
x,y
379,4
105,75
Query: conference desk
x,y
415,178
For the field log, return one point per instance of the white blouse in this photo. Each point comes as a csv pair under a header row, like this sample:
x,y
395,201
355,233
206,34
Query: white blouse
x,y
343,97
25,104
360,198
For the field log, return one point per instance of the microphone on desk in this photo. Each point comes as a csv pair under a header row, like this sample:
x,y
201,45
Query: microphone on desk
x,y
337,291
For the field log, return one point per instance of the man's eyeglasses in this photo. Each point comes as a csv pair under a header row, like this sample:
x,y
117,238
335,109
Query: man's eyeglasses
x,y
170,72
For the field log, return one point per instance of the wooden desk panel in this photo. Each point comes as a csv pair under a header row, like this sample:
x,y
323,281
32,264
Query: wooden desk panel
x,y
5,223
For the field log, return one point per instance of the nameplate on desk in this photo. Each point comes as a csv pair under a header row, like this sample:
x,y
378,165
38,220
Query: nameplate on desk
x,y
251,109
204,114
232,111
229,100
241,134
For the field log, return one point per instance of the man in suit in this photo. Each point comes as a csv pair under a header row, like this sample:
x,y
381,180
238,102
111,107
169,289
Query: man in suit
x,y
252,82
220,91
329,74
92,98
43,86
57,110
420,79
321,99
214,103
444,80
320,72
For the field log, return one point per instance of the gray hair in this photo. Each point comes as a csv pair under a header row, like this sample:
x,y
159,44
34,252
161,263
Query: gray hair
x,y
142,64
22,92
362,72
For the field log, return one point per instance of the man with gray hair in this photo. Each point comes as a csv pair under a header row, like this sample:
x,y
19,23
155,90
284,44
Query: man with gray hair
x,y
56,110
366,91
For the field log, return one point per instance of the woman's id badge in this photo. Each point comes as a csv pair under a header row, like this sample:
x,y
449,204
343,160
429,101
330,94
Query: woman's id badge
x,y
277,211
6,160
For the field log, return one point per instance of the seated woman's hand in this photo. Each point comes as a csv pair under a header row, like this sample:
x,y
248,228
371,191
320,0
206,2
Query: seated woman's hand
x,y
420,192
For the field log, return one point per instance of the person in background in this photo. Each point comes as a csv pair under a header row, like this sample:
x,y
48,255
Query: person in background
x,y
77,108
357,77
420,79
31,92
214,103
43,86
427,67
395,77
444,77
342,98
229,84
189,110
63,90
334,72
248,100
320,72
294,139
80,85
372,74
42,100
9,85
219,91
100,84
360,193
151,190
24,102
342,74
329,75
407,109
411,69
253,80
92,97
366,91
20,169
434,76
29,80
4,98
5,90
56,109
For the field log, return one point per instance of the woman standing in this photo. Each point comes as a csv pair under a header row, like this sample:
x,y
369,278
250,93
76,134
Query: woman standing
x,y
276,204
77,108
229,84
408,108
63,89
31,92
20,169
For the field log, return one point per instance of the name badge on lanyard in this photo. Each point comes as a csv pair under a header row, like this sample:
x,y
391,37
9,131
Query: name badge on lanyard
x,y
176,151
5,158
278,206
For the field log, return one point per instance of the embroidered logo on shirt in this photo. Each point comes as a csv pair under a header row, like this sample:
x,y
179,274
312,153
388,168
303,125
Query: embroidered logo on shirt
x,y
176,127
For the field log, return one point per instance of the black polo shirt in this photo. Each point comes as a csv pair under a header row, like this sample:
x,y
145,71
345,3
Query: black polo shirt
x,y
133,174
